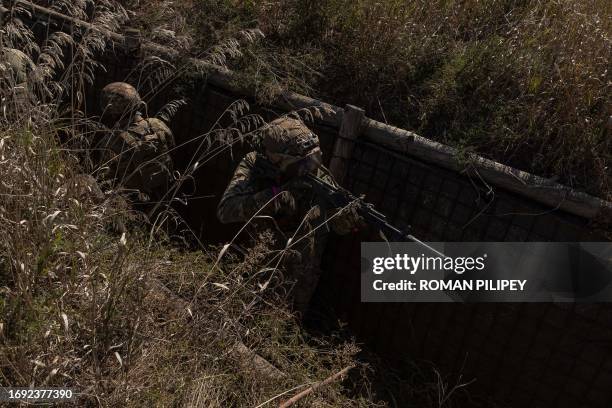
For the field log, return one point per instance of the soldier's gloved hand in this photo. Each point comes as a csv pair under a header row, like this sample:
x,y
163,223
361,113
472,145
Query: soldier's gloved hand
x,y
274,201
296,185
285,203
347,220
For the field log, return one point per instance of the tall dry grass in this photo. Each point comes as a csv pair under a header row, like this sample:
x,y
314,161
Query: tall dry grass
x,y
526,83
95,298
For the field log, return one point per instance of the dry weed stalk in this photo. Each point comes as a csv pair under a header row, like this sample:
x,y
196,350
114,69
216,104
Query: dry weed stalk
x,y
523,83
77,308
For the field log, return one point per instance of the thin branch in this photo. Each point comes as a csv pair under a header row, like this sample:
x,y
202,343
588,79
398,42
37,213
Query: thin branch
x,y
337,376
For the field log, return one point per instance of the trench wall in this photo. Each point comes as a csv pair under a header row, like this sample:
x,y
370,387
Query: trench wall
x,y
532,355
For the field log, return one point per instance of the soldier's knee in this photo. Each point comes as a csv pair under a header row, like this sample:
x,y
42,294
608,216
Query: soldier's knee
x,y
224,216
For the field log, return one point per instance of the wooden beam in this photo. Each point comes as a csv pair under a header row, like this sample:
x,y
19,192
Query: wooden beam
x,y
133,41
388,136
350,129
340,375
554,195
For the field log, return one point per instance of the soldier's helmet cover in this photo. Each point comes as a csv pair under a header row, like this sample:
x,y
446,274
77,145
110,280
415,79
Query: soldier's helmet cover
x,y
119,99
292,146
15,66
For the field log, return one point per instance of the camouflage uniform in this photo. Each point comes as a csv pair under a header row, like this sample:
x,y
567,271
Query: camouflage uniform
x,y
296,208
15,66
134,151
16,79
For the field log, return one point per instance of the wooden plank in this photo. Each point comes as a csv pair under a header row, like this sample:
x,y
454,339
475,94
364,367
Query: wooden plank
x,y
352,124
388,136
537,188
133,41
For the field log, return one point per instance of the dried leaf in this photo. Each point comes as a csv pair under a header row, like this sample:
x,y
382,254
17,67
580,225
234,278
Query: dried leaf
x,y
65,321
223,251
119,359
52,374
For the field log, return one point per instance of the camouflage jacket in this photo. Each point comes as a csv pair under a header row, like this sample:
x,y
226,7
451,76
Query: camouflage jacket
x,y
16,66
137,157
256,181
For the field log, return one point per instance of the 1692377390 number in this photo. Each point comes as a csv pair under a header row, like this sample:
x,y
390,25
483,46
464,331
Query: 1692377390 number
x,y
35,394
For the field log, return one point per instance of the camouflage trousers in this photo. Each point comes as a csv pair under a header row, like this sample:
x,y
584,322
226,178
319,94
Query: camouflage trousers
x,y
300,265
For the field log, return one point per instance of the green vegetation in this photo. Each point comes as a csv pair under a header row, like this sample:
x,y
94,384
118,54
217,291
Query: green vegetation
x,y
526,83
95,297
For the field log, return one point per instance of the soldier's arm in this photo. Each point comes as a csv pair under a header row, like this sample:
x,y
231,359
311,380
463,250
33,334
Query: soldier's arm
x,y
342,220
163,133
241,199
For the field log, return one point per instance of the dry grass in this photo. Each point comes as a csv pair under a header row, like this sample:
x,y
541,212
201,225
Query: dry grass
x,y
96,297
526,83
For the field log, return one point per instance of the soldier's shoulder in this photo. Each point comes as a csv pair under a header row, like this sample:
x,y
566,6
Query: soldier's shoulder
x,y
17,63
140,127
248,164
158,125
251,160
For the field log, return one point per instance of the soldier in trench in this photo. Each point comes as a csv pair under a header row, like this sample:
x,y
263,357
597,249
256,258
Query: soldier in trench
x,y
18,78
269,182
133,151
16,67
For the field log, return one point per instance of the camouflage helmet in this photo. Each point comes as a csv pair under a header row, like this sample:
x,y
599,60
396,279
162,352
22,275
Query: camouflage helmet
x,y
289,136
15,66
118,99
288,142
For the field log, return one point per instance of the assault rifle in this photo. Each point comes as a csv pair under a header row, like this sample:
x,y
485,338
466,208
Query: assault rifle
x,y
339,197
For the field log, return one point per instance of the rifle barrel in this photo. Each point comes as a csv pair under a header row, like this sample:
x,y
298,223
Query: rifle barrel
x,y
367,211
